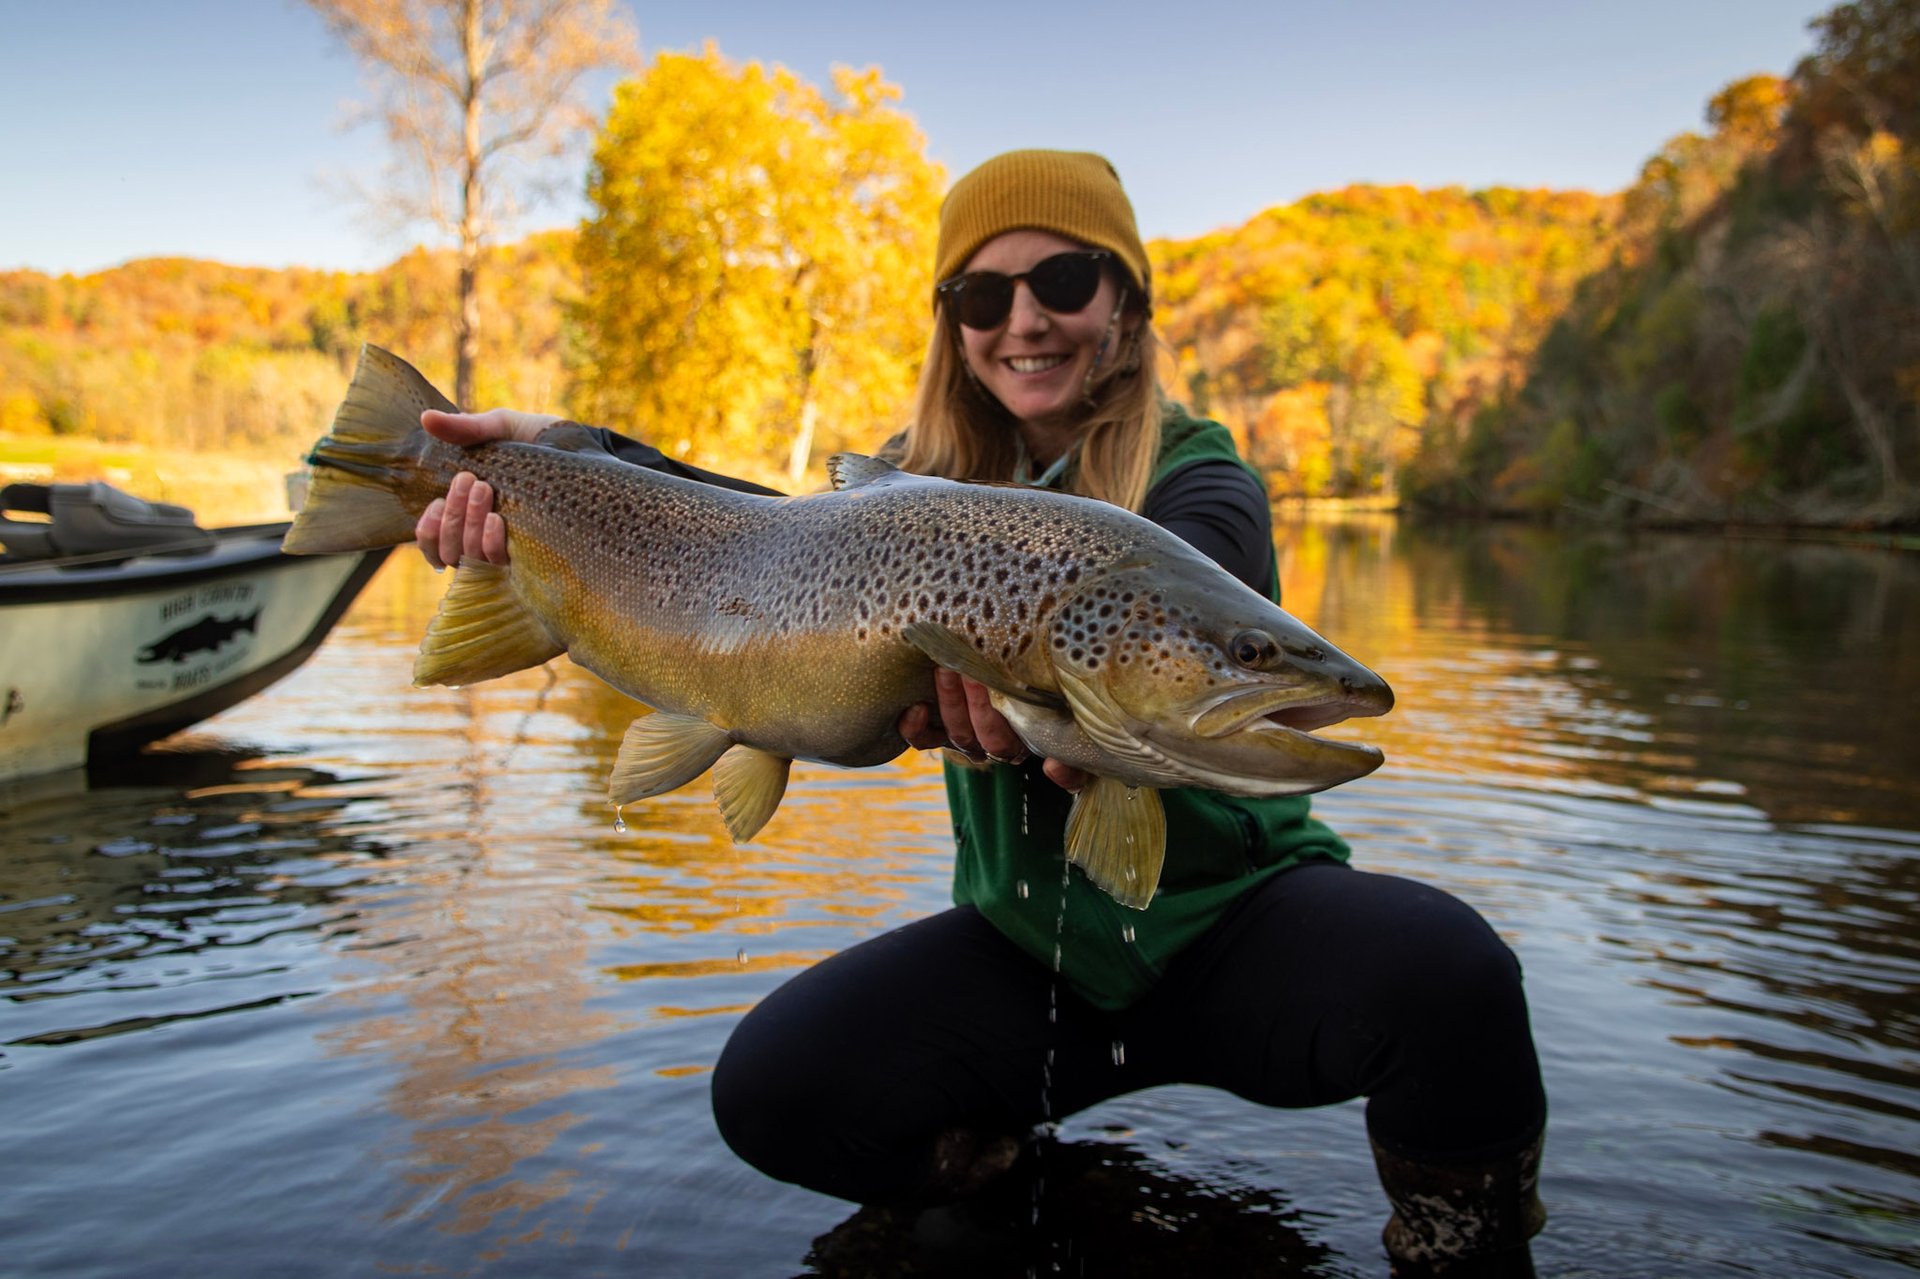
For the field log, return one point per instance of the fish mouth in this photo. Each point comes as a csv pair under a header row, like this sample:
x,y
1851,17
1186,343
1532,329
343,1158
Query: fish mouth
x,y
1298,709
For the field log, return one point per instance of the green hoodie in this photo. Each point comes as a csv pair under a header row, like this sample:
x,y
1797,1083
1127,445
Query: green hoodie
x,y
1009,824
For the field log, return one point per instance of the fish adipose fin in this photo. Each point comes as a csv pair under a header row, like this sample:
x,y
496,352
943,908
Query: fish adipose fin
x,y
952,650
362,468
851,470
749,784
1118,834
663,752
481,631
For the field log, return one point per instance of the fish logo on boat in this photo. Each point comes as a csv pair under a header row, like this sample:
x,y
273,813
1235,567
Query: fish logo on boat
x,y
207,635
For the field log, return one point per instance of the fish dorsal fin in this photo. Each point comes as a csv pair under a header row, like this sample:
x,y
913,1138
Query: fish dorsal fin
x,y
1118,834
851,470
570,437
663,752
950,649
482,631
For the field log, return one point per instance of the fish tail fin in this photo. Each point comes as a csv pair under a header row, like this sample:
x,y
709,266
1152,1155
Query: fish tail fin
x,y
369,481
1118,834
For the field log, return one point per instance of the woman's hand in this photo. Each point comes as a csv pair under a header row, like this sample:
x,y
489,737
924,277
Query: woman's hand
x,y
963,718
463,523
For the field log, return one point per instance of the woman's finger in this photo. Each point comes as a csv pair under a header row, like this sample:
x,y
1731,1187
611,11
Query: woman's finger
x,y
493,544
1065,776
453,520
920,729
426,533
950,698
990,728
473,541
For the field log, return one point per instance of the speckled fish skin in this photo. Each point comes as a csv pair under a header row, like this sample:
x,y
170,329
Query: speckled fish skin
x,y
803,627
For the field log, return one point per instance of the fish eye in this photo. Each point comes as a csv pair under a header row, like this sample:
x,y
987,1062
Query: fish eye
x,y
1253,648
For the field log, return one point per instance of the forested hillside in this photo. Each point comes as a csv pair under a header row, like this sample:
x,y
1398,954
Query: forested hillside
x,y
1333,334
1734,337
1751,352
179,353
1329,334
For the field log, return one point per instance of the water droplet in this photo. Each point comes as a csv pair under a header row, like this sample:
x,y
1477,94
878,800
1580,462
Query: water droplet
x,y
1056,957
1133,792
1119,1053
1021,888
620,818
741,955
1126,934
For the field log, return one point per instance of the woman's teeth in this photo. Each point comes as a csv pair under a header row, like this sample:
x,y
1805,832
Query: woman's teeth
x,y
1035,363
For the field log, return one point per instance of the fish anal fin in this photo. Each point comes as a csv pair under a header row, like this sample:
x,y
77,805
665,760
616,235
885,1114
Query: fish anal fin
x,y
663,752
947,647
749,783
851,470
1117,834
482,631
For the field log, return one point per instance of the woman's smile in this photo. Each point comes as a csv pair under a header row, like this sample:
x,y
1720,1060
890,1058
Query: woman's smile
x,y
1038,362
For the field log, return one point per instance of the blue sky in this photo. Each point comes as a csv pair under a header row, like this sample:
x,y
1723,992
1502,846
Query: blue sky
x,y
214,128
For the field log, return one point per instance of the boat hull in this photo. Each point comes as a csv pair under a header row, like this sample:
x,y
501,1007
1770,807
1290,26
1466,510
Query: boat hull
x,y
97,659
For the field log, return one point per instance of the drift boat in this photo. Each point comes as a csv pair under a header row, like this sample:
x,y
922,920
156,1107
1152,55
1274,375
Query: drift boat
x,y
122,621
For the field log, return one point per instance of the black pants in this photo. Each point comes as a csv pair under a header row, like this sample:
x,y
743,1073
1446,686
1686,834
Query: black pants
x,y
1325,984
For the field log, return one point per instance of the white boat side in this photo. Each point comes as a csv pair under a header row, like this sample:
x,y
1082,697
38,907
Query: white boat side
x,y
101,655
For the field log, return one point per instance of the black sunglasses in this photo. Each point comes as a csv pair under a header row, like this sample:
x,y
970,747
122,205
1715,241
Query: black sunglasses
x,y
1063,283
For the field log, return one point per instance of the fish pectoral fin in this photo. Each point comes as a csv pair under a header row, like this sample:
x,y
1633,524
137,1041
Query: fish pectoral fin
x,y
948,648
1118,834
663,752
749,783
482,631
851,470
1104,725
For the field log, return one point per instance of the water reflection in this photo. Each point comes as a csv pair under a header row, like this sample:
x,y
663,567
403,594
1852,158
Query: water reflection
x,y
468,1020
1701,739
169,877
1111,1212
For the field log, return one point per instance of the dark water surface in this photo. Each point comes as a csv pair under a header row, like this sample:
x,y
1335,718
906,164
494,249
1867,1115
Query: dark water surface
x,y
363,979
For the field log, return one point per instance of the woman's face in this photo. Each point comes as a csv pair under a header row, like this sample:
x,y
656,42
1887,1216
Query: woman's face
x,y
1036,362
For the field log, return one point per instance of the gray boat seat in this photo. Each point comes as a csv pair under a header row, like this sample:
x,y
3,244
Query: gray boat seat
x,y
92,518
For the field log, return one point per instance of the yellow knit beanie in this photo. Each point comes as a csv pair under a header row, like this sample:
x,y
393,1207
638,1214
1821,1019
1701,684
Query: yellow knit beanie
x,y
1072,193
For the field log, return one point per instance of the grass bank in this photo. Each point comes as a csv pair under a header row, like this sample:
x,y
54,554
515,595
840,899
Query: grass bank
x,y
220,488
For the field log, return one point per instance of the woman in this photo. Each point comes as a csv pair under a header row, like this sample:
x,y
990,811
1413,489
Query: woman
x,y
909,1070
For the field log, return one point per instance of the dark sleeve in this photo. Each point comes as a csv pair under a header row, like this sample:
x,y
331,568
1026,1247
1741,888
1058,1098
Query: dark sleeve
x,y
1219,509
653,459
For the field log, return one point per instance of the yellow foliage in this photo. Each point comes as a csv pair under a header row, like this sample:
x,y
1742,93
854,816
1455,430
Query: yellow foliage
x,y
1294,428
755,272
1362,313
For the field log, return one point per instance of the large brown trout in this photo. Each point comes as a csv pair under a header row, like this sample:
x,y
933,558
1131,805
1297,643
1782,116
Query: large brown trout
x,y
763,630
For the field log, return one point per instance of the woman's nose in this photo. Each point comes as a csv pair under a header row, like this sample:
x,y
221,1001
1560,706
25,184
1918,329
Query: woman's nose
x,y
1028,316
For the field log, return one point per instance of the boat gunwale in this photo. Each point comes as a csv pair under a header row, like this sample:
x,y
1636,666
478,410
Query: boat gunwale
x,y
236,548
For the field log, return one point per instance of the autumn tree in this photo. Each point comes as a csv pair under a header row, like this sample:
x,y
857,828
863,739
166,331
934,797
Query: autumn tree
x,y
755,268
475,95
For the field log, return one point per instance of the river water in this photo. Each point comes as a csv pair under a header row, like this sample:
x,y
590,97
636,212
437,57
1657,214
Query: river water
x,y
363,979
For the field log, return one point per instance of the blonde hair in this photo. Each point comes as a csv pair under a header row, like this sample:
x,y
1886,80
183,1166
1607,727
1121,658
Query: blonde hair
x,y
960,432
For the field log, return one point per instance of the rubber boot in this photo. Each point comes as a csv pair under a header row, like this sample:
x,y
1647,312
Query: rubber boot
x,y
1462,1221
